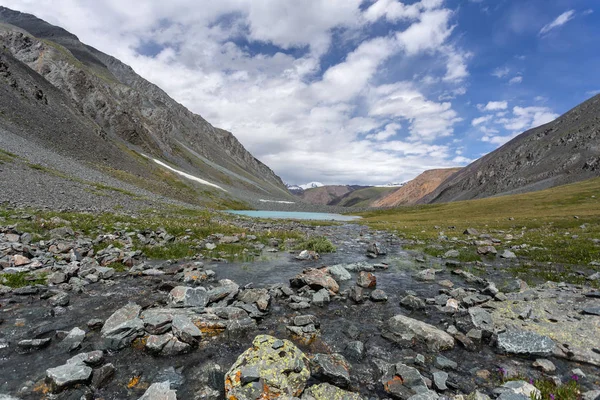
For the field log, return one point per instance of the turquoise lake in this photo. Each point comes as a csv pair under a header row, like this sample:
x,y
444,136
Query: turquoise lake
x,y
295,215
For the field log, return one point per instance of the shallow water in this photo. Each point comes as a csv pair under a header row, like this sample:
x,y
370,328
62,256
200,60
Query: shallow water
x,y
294,215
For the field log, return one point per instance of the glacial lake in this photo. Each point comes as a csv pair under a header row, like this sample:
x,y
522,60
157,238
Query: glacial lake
x,y
295,215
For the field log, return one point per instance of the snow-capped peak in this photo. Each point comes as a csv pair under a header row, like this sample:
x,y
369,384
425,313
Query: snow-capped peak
x,y
311,185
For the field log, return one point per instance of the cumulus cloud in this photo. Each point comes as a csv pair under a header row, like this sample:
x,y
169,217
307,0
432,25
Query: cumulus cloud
x,y
512,122
493,106
559,21
500,72
266,71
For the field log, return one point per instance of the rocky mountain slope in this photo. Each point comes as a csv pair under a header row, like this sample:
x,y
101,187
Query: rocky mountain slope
x,y
563,151
416,189
325,194
83,104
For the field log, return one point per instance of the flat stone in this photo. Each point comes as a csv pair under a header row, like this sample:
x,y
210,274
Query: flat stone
x,y
184,296
260,297
366,280
91,358
403,328
33,344
160,391
331,367
445,363
378,295
316,279
185,330
339,273
73,339
545,365
439,380
68,375
122,327
591,310
525,342
412,302
101,376
321,298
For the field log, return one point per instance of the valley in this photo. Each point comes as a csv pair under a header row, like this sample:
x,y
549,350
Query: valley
x,y
147,254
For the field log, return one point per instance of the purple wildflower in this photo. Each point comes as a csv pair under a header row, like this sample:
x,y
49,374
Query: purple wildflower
x,y
552,397
575,377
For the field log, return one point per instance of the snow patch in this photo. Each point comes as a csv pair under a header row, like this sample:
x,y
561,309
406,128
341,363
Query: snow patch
x,y
311,185
185,174
276,201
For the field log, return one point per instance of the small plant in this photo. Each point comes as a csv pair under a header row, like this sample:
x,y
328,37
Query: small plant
x,y
118,267
21,279
550,391
320,244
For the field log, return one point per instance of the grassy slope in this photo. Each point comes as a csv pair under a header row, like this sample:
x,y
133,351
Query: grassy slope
x,y
558,224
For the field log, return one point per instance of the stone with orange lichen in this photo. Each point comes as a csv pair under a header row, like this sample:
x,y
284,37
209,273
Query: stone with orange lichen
x,y
270,369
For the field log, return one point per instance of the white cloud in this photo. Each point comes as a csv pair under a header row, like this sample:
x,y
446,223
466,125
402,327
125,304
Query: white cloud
x,y
389,131
340,119
498,140
500,72
515,80
481,120
559,21
493,106
592,92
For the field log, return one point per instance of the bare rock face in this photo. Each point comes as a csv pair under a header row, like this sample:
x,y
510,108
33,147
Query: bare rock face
x,y
416,189
563,151
270,368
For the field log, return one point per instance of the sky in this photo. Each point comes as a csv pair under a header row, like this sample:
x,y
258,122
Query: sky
x,y
354,91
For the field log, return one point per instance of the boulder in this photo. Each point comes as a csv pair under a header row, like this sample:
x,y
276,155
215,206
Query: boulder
x,y
525,343
402,328
316,279
260,297
270,368
122,327
184,296
366,280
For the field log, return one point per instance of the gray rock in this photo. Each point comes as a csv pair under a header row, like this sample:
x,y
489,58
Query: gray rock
x,y
525,342
356,294
439,380
545,365
122,327
411,377
260,297
73,339
61,299
185,330
445,363
183,296
331,367
160,391
591,310
68,375
33,344
404,328
428,395
426,275
321,298
339,273
355,350
412,302
101,376
92,358
378,295
508,254
591,395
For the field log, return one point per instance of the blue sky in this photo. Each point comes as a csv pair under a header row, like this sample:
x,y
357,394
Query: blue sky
x,y
354,91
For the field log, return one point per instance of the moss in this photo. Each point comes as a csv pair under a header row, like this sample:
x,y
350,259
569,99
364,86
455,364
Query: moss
x,y
22,279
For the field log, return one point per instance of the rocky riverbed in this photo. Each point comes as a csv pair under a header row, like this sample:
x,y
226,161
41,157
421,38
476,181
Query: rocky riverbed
x,y
370,321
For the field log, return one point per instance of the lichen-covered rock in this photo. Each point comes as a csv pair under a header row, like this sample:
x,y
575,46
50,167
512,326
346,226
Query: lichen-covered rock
x,y
325,391
366,280
525,342
331,367
270,368
183,296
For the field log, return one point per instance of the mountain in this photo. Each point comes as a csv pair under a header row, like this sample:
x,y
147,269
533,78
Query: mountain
x,y
564,151
311,185
71,99
362,196
324,194
414,190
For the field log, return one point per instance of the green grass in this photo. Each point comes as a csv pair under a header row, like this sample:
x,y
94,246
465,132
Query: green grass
x,y
549,390
363,197
22,279
320,244
545,220
118,267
